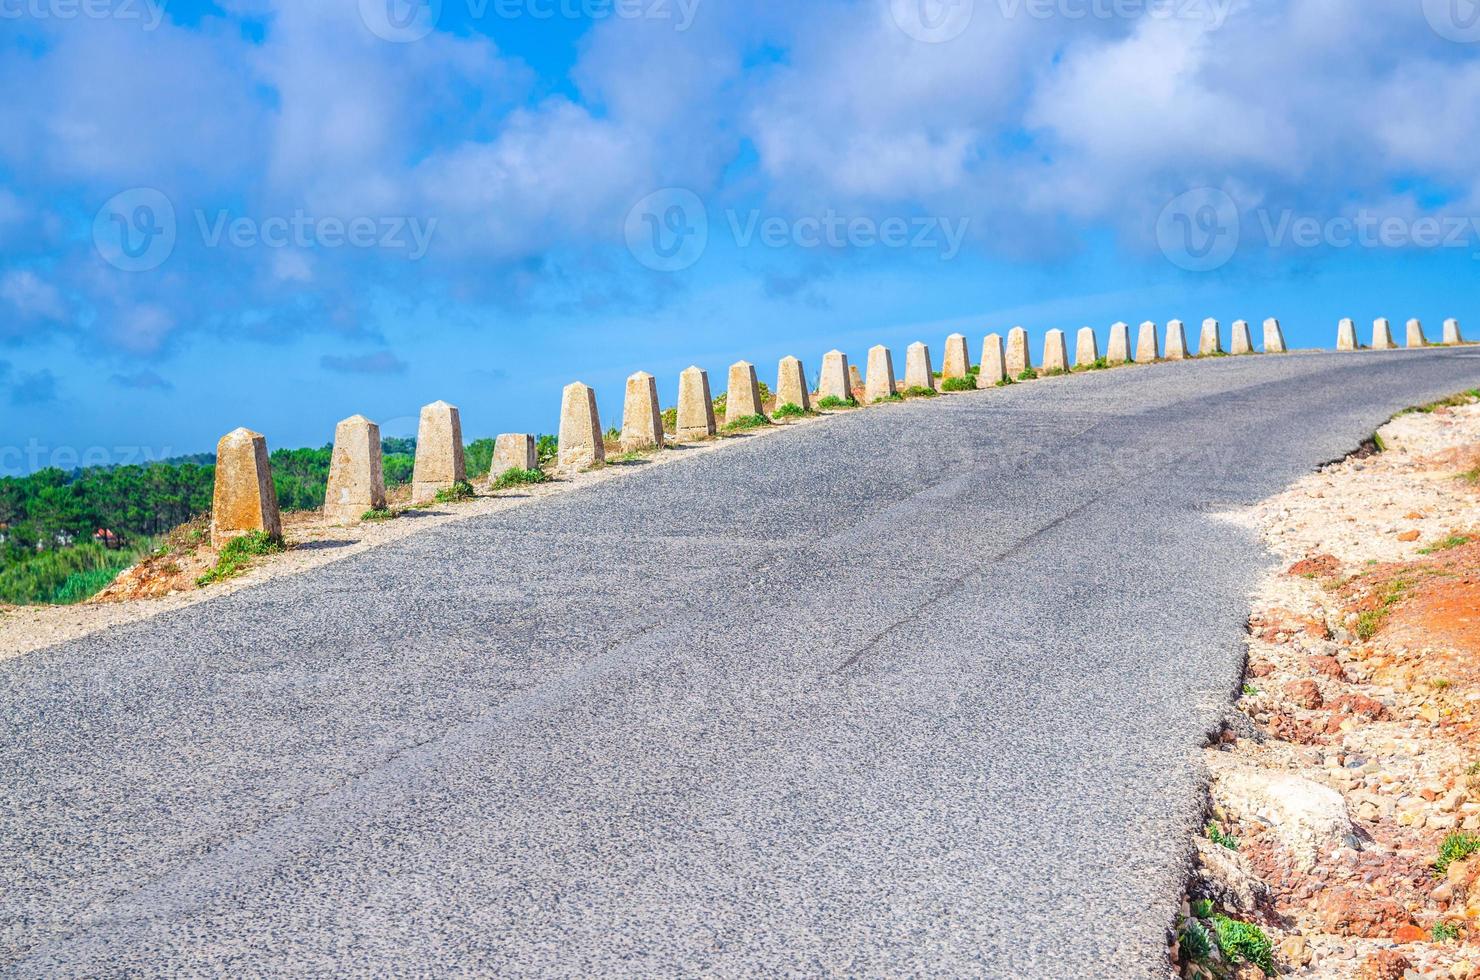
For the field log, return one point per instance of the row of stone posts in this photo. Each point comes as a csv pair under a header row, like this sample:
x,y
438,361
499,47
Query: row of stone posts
x,y
245,500
1382,335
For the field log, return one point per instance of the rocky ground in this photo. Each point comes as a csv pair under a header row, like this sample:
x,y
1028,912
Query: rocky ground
x,y
1345,819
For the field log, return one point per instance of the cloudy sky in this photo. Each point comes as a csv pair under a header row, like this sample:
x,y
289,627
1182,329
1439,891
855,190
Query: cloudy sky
x,y
278,213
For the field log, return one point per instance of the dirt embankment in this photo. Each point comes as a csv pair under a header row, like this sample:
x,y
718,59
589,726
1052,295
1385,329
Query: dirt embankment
x,y
1346,789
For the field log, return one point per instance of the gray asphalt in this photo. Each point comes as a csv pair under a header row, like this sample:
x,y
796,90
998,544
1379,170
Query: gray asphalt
x,y
916,691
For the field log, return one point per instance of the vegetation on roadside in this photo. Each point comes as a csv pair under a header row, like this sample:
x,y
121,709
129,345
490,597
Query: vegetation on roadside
x,y
379,514
1217,836
896,397
1453,541
920,391
1028,375
237,554
967,383
786,411
1244,942
1456,847
833,401
747,422
516,477
459,491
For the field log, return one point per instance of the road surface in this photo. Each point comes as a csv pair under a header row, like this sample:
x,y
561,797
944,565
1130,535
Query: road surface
x,y
918,690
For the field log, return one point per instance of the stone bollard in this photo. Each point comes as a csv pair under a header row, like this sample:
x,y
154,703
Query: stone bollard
x,y
791,384
1346,335
880,383
642,419
1119,351
244,500
356,479
514,451
834,382
918,372
855,381
1086,348
1055,352
1019,358
1210,342
439,452
958,359
1243,340
695,405
994,363
743,396
1274,337
1415,334
1382,334
1451,332
582,445
1148,348
1176,341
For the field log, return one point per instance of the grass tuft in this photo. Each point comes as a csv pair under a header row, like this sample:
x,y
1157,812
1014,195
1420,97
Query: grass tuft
x,y
1028,375
459,491
967,383
378,514
237,554
1453,541
518,477
789,411
747,422
1456,847
833,401
920,391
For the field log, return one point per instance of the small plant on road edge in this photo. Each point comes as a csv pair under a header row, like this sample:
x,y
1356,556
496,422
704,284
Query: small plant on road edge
x,y
920,391
1217,836
378,514
1194,945
1028,375
514,476
833,401
787,411
237,554
1244,942
1445,932
1456,847
967,383
459,491
747,422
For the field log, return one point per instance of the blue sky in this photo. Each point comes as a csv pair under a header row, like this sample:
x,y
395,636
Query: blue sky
x,y
278,214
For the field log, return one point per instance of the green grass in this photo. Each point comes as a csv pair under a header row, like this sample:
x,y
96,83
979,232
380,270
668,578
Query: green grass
x,y
896,397
1098,364
833,401
1203,908
920,391
789,411
747,422
459,491
1456,847
517,477
1056,373
378,514
80,586
237,554
1445,932
1217,836
1028,375
1453,541
1378,443
1369,621
1005,382
1244,942
1453,401
967,383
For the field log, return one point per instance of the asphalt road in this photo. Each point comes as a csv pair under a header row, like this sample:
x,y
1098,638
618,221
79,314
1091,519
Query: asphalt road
x,y
919,690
